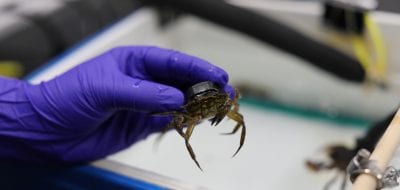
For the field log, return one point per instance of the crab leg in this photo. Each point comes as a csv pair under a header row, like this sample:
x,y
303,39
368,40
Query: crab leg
x,y
238,118
237,127
328,185
235,103
178,125
235,110
222,111
220,116
189,130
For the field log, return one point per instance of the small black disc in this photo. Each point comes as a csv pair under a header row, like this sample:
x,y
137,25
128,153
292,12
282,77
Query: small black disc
x,y
201,88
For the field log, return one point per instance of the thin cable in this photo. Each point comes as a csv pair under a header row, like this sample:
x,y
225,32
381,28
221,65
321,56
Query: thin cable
x,y
379,46
359,46
361,51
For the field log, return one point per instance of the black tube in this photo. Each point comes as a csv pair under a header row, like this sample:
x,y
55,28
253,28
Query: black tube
x,y
367,141
273,33
371,138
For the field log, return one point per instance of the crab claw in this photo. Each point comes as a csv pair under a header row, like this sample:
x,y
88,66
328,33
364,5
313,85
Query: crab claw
x,y
216,120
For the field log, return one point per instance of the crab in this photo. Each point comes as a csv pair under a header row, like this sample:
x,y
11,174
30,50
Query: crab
x,y
339,157
206,101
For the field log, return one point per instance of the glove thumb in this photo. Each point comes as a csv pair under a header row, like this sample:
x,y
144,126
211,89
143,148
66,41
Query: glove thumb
x,y
145,96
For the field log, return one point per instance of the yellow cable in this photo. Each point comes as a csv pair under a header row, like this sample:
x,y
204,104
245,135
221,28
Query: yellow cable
x,y
370,52
379,46
360,48
10,69
361,51
374,64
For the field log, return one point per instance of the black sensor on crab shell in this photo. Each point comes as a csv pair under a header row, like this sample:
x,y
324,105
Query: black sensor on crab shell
x,y
200,89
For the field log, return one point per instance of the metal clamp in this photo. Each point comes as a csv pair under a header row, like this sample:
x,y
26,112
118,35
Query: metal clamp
x,y
361,164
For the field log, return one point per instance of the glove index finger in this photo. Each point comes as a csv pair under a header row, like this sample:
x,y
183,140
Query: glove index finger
x,y
231,91
146,96
169,65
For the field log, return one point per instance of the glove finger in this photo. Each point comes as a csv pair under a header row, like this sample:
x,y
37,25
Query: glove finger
x,y
146,96
230,90
178,66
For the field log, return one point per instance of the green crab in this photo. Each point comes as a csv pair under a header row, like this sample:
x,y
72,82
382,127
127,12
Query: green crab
x,y
206,101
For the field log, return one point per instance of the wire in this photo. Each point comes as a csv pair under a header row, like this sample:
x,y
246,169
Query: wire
x,y
379,46
374,63
361,51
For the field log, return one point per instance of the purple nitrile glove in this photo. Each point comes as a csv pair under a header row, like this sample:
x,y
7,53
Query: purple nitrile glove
x,y
99,107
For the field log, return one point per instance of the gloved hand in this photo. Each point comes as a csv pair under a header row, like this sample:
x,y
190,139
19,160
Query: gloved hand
x,y
99,107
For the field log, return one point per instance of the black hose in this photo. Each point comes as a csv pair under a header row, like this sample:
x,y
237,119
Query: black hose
x,y
372,136
271,32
